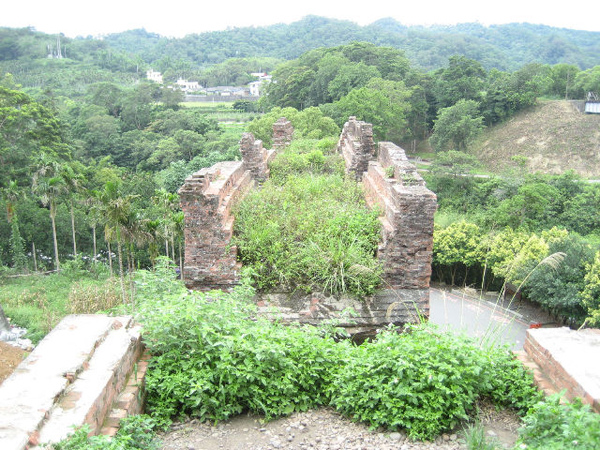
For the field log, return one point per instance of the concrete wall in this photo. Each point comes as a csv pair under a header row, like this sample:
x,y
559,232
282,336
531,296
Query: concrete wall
x,y
82,372
569,360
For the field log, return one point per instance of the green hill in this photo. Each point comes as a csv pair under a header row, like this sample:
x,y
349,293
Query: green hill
x,y
505,47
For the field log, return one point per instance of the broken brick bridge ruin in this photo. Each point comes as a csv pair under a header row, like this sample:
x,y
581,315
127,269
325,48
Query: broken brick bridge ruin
x,y
391,183
90,369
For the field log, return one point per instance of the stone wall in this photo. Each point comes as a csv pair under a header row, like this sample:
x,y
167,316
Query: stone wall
x,y
393,185
356,146
282,133
407,207
207,198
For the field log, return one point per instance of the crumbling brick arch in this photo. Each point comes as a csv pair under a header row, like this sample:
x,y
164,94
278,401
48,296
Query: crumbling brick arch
x,y
207,198
391,184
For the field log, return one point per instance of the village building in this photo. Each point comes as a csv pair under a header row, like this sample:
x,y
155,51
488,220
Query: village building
x,y
154,76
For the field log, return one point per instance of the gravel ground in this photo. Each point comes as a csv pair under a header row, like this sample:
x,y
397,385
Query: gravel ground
x,y
321,429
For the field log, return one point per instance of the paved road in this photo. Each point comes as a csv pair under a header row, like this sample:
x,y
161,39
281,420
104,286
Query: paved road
x,y
477,318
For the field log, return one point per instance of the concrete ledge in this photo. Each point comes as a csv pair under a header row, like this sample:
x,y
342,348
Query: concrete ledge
x,y
71,378
569,359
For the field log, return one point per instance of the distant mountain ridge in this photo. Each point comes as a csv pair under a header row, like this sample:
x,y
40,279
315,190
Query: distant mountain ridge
x,y
123,57
505,47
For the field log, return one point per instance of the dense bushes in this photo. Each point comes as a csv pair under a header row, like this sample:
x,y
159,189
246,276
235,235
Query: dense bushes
x,y
426,382
212,359
538,233
552,425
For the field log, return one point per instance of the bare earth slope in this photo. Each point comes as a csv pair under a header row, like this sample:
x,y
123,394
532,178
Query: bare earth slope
x,y
553,135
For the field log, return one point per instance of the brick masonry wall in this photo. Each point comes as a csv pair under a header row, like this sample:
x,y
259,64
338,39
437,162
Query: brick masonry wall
x,y
356,146
207,198
393,185
407,208
561,377
282,133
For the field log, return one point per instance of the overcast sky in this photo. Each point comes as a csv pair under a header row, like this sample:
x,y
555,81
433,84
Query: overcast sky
x,y
180,17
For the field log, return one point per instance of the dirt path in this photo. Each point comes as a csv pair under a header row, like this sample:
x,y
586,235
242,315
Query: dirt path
x,y
10,358
322,429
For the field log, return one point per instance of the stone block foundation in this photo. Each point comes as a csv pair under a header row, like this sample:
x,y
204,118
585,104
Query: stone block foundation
x,y
80,373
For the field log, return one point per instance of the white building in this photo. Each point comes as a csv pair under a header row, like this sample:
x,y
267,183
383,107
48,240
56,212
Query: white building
x,y
154,76
256,86
188,86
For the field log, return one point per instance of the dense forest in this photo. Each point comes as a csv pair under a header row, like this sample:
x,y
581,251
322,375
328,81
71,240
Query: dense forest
x,y
92,153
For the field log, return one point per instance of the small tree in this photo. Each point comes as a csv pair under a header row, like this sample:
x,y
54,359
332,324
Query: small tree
x,y
591,292
457,125
17,246
48,185
457,246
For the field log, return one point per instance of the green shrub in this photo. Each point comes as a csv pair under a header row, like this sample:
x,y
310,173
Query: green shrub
x,y
212,360
423,381
135,432
306,156
550,425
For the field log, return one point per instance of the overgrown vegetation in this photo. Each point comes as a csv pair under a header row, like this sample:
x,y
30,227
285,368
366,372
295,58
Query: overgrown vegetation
x,y
92,156
135,433
426,382
552,425
214,358
308,227
38,302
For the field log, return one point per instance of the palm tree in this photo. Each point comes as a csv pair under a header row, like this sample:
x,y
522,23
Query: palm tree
x,y
94,216
116,210
48,185
168,203
73,182
122,225
179,227
11,194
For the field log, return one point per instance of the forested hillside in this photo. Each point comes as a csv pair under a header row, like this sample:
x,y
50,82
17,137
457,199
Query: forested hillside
x,y
505,47
92,153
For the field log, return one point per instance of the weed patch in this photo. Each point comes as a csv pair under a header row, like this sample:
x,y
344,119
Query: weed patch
x,y
314,232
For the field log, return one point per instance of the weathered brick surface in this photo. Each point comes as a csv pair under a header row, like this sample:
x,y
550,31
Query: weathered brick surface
x,y
282,133
407,209
207,198
254,157
397,306
356,146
